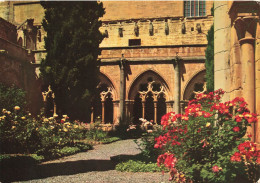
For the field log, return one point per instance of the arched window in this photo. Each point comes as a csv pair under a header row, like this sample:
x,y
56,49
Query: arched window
x,y
194,8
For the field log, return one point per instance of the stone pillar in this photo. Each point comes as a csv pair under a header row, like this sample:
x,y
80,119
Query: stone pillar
x,y
143,108
177,85
115,109
246,30
155,111
122,91
222,26
257,86
168,107
54,108
103,111
248,71
127,112
131,105
92,115
182,107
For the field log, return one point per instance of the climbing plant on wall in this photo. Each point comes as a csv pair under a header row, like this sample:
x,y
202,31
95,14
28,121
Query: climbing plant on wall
x,y
209,63
72,46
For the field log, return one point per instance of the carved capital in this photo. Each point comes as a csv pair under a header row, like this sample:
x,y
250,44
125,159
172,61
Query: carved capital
x,y
246,27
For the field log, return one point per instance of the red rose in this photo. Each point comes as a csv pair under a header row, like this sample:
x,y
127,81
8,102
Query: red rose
x,y
236,129
156,146
215,169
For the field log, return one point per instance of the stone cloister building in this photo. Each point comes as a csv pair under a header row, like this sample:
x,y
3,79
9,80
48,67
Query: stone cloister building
x,y
152,59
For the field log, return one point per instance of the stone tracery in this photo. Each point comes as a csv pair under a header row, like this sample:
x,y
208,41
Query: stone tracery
x,y
155,94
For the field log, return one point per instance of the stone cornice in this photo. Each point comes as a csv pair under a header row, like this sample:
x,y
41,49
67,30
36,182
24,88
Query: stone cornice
x,y
115,21
156,46
153,60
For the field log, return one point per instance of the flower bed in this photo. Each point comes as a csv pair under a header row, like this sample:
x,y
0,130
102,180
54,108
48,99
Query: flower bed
x,y
208,143
50,137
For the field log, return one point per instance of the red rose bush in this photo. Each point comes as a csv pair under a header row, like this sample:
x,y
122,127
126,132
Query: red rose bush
x,y
207,143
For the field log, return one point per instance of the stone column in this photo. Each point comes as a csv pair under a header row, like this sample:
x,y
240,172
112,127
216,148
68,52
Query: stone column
x,y
168,107
115,109
155,111
182,107
246,30
92,115
222,26
143,108
127,112
177,85
131,105
122,91
257,86
103,111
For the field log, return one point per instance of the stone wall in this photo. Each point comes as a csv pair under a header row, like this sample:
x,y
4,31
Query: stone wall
x,y
15,65
7,31
222,26
176,36
125,10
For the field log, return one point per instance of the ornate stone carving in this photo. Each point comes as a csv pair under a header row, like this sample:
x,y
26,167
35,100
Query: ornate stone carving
x,y
246,27
106,33
183,28
151,29
120,32
198,27
136,30
204,89
155,94
104,94
166,28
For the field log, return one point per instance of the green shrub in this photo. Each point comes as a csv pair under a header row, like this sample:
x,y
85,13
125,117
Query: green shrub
x,y
96,134
11,96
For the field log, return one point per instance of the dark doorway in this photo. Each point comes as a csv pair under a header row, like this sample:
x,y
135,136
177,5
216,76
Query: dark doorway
x,y
97,108
137,110
161,108
149,107
109,109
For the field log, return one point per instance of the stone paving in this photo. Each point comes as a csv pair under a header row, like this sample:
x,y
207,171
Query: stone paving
x,y
94,166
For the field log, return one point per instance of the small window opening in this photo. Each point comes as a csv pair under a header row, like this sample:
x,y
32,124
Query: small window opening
x,y
134,42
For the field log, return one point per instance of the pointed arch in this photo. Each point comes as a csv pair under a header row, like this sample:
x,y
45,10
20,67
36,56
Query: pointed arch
x,y
196,82
144,78
104,79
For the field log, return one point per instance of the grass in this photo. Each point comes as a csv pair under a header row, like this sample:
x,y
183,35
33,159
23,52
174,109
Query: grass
x,y
137,163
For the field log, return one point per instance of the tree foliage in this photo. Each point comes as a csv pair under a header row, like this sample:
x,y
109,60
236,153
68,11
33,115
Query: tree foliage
x,y
72,46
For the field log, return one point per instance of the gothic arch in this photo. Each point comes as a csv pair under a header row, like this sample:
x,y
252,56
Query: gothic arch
x,y
143,78
104,79
147,91
104,104
196,82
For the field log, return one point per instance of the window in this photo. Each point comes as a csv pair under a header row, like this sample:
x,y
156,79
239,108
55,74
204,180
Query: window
x,y
134,42
194,8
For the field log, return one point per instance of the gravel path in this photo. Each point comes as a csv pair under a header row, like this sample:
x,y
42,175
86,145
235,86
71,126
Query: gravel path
x,y
94,166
